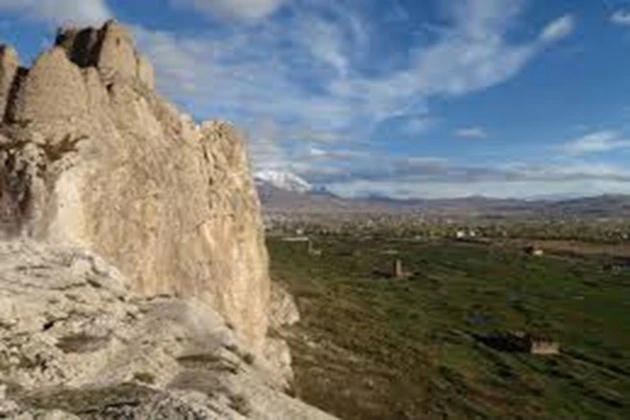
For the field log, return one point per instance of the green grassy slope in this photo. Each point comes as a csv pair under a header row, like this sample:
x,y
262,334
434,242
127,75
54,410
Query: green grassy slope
x,y
373,347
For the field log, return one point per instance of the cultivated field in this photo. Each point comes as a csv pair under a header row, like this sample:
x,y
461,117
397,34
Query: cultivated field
x,y
374,347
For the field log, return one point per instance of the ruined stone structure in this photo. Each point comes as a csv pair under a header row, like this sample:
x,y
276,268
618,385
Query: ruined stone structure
x,y
544,347
534,251
397,269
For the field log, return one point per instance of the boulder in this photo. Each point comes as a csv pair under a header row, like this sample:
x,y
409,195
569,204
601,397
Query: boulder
x,y
53,89
282,308
109,49
116,51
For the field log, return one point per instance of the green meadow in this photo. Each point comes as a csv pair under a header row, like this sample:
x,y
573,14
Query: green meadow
x,y
374,347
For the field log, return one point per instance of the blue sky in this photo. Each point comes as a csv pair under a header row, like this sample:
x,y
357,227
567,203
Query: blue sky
x,y
409,98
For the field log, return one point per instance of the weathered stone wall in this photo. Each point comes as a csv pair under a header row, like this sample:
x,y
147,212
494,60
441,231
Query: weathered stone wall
x,y
91,155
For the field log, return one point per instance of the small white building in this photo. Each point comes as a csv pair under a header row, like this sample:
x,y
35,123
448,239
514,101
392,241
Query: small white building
x,y
463,234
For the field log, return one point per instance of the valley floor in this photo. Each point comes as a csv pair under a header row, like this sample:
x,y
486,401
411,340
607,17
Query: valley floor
x,y
374,347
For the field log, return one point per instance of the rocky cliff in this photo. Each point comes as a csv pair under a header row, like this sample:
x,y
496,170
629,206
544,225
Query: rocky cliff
x,y
75,343
95,166
92,156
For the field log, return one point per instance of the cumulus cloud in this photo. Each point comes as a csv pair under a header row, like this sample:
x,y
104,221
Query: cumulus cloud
x,y
596,142
247,10
472,133
621,17
558,29
60,12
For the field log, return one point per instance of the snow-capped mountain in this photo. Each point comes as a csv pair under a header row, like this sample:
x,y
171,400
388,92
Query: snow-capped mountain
x,y
283,180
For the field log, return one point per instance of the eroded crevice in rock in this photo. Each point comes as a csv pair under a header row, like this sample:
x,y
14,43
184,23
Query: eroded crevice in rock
x,y
15,192
8,105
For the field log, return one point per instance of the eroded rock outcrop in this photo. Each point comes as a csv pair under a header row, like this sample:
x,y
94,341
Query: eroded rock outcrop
x,y
91,156
75,343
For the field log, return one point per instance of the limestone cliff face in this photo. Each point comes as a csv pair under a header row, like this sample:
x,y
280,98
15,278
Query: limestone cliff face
x,y
90,155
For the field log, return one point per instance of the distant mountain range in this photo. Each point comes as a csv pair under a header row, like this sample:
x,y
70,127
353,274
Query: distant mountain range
x,y
283,192
283,180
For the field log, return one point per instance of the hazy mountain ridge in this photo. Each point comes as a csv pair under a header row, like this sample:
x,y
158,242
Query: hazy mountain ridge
x,y
283,180
279,200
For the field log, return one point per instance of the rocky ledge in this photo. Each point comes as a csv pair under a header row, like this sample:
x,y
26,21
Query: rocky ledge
x,y
75,343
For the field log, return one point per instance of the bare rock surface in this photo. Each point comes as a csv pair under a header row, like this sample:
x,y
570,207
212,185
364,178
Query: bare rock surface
x,y
283,313
94,161
92,156
74,343
283,310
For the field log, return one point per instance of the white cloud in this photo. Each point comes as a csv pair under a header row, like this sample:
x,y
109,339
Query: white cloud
x,y
621,17
60,12
472,133
267,149
325,42
415,125
558,29
443,179
247,10
318,153
305,71
483,20
596,142
492,189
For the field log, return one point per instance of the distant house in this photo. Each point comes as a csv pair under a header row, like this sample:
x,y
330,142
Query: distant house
x,y
296,239
463,235
544,347
522,343
312,250
537,345
534,251
397,271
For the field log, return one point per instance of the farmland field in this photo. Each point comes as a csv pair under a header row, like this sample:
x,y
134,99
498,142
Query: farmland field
x,y
374,347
